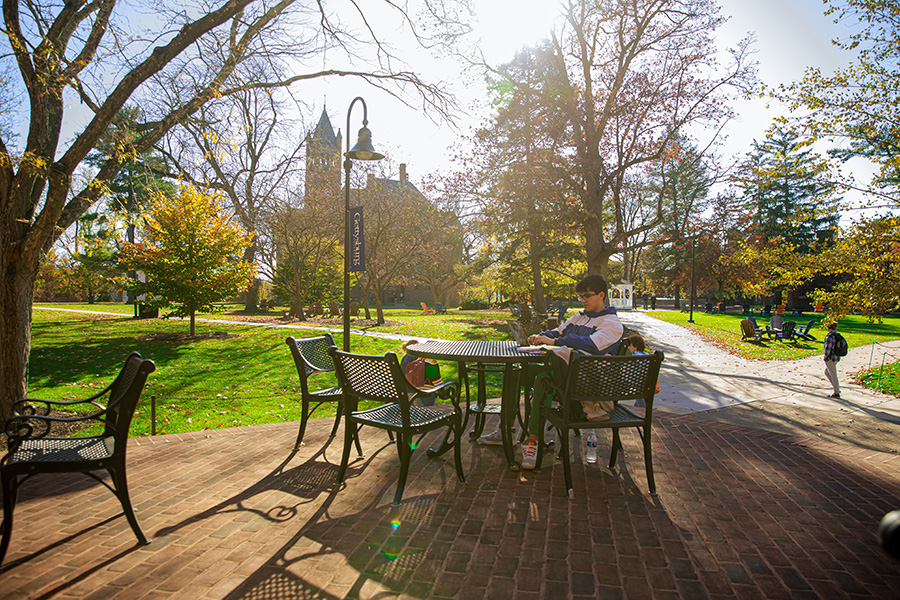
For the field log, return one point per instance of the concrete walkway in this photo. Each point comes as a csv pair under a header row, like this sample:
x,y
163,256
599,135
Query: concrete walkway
x,y
698,376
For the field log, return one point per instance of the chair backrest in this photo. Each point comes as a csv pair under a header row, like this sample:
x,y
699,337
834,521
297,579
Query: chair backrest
x,y
809,325
608,378
789,327
525,311
375,378
747,328
124,394
334,308
311,356
777,322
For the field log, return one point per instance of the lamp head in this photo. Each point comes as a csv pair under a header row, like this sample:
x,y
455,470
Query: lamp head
x,y
363,149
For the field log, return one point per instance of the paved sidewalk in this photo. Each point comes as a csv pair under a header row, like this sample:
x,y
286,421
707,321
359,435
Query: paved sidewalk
x,y
741,513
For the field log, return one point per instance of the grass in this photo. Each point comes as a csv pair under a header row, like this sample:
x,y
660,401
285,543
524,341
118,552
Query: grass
x,y
234,375
725,332
230,375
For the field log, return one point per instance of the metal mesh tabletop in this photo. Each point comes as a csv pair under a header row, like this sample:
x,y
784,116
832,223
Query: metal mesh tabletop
x,y
474,351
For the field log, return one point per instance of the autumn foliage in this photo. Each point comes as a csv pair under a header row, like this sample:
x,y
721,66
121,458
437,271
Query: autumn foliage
x,y
191,254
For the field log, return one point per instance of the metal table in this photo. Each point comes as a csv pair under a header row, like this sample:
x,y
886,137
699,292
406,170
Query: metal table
x,y
484,355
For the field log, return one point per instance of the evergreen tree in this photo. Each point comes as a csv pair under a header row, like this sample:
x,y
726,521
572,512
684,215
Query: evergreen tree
x,y
787,188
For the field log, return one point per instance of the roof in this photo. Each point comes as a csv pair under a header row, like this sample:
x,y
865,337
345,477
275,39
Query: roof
x,y
324,132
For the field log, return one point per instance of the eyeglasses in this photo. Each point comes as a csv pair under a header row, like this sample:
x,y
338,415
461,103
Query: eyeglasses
x,y
586,295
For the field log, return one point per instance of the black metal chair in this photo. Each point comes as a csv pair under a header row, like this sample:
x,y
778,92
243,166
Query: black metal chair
x,y
311,357
379,379
605,378
32,451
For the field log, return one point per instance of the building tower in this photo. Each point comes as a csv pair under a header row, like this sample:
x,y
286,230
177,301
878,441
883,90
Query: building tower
x,y
323,167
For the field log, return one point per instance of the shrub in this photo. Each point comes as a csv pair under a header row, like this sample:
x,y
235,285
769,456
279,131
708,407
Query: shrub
x,y
473,304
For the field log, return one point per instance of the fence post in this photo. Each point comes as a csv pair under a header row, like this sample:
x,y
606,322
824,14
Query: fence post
x,y
153,414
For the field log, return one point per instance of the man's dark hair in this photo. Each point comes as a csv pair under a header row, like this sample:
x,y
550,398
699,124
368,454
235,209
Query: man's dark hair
x,y
593,283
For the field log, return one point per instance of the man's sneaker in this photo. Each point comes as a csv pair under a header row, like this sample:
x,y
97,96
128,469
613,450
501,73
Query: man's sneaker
x,y
494,438
529,454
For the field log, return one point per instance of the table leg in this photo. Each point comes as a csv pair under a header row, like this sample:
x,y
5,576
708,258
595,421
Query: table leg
x,y
509,411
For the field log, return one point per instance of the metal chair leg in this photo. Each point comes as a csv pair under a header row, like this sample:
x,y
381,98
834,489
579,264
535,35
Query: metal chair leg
x,y
10,488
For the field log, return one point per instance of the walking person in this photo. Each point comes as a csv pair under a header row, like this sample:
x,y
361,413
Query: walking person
x,y
832,359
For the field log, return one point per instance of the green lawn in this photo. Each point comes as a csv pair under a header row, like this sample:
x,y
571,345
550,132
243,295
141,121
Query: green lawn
x,y
231,375
725,332
234,375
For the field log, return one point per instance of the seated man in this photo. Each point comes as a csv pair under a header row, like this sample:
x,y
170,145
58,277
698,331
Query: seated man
x,y
596,330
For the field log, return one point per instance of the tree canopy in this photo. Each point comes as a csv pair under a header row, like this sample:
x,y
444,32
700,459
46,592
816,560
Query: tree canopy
x,y
192,254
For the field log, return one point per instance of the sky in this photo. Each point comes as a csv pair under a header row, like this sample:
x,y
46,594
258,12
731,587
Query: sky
x,y
791,35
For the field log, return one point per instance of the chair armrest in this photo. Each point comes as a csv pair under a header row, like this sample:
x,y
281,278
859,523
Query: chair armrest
x,y
35,406
24,427
444,390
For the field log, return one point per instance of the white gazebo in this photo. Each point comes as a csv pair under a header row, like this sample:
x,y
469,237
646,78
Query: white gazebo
x,y
620,295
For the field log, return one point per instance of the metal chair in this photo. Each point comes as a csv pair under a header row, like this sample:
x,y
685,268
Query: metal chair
x,y
311,357
605,378
379,379
32,451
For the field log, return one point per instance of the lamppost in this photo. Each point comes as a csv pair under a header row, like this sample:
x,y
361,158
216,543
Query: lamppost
x,y
363,150
693,243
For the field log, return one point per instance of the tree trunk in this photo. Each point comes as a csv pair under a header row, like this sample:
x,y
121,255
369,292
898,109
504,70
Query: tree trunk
x,y
17,279
193,329
251,296
596,250
379,310
536,279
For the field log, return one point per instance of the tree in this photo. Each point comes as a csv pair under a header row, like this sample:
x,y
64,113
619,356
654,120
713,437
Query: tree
x,y
94,256
299,257
97,57
786,186
191,254
635,74
866,262
858,103
240,146
392,213
440,265
680,181
510,179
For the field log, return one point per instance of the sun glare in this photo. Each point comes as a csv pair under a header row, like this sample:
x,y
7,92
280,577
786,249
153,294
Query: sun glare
x,y
507,26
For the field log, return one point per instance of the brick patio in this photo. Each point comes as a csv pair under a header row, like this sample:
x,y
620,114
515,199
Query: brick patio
x,y
741,513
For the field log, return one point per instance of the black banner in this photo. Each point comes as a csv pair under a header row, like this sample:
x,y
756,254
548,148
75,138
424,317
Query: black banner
x,y
357,241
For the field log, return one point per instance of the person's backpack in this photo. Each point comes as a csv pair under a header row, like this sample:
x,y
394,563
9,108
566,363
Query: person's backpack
x,y
415,372
840,345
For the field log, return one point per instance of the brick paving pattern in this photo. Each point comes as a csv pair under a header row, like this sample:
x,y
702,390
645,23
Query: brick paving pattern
x,y
741,513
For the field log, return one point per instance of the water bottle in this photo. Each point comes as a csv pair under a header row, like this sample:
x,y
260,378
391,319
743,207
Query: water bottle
x,y
591,454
